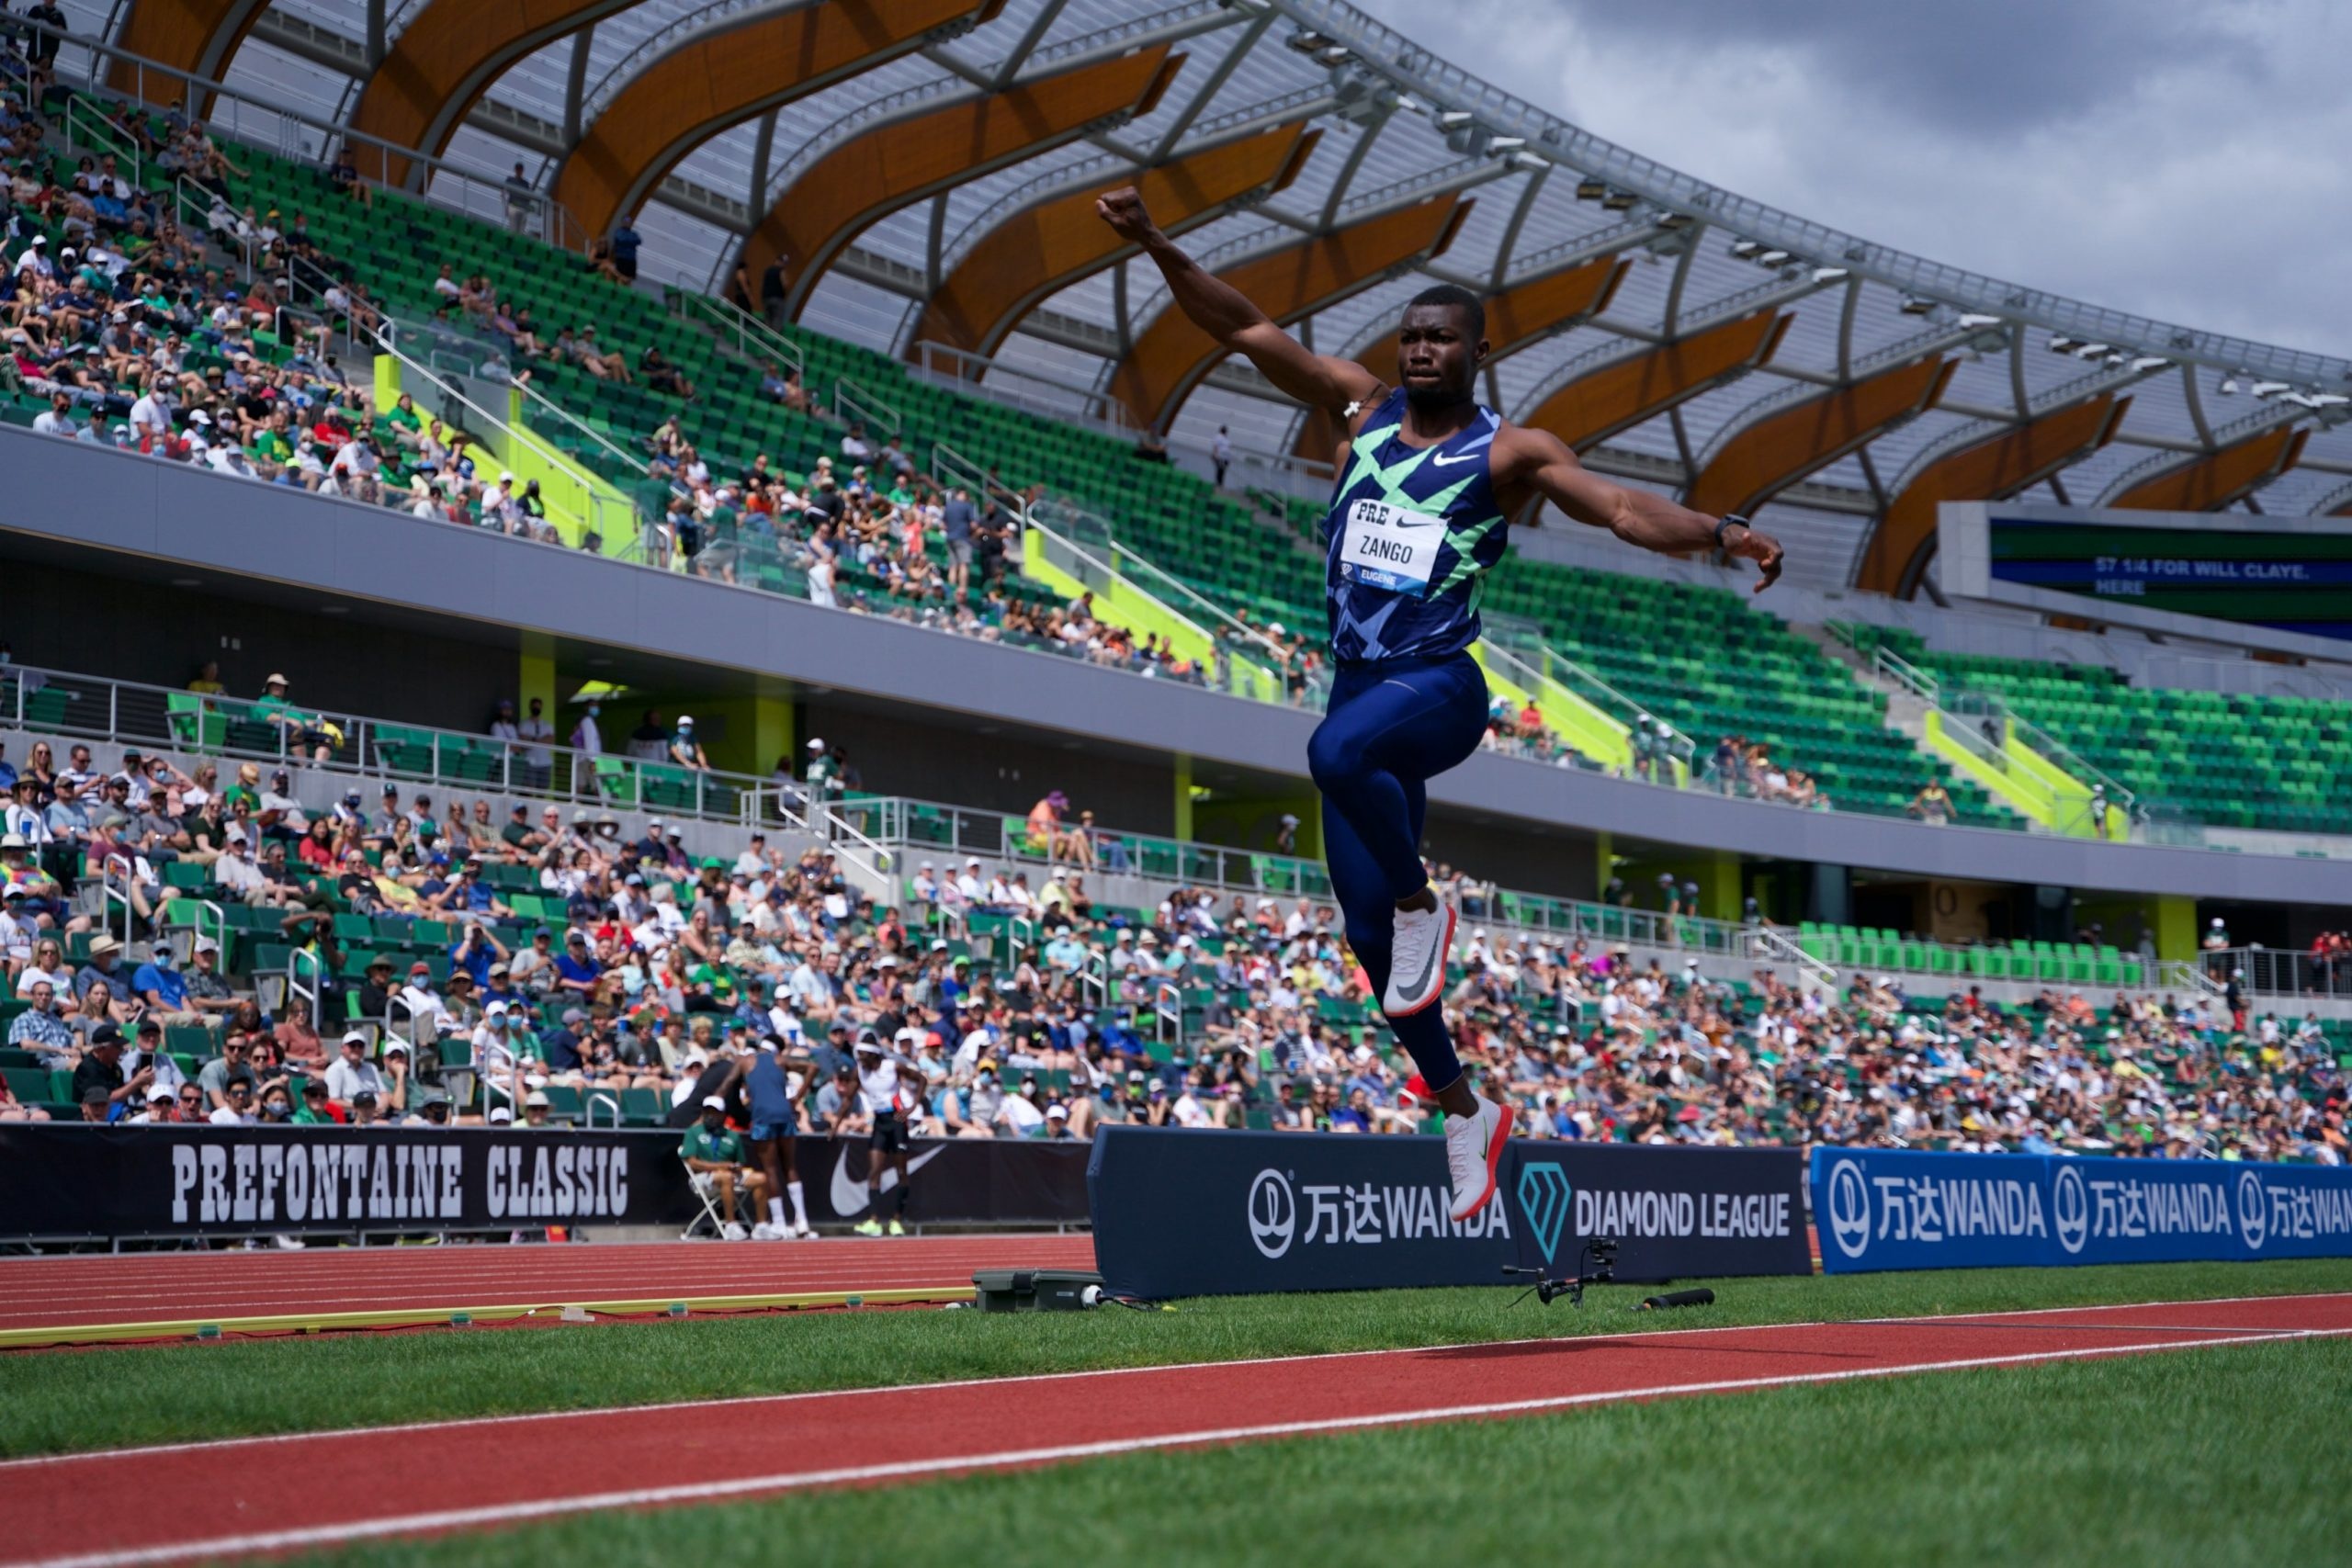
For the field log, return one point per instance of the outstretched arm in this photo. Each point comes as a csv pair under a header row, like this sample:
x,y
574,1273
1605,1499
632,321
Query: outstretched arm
x,y
1226,314
1541,461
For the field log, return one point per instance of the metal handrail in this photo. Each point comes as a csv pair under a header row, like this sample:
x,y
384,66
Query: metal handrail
x,y
110,893
725,316
592,505
1770,943
855,403
86,125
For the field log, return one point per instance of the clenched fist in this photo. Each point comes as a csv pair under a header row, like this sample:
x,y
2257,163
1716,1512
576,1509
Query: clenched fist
x,y
1124,210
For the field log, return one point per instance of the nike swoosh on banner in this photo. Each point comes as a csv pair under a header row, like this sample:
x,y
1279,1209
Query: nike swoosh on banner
x,y
849,1196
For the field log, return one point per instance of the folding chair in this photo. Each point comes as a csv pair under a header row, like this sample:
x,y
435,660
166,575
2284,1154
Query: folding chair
x,y
710,1224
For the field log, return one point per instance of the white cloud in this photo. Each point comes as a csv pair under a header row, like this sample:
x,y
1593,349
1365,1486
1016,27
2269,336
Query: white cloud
x,y
2158,156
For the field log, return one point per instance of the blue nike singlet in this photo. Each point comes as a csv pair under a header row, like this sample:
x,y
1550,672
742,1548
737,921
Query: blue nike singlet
x,y
1410,538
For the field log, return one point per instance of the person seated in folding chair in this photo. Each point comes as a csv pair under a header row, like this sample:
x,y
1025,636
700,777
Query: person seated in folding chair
x,y
714,1155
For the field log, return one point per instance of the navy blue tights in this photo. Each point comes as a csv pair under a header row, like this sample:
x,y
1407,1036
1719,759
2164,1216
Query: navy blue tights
x,y
1389,729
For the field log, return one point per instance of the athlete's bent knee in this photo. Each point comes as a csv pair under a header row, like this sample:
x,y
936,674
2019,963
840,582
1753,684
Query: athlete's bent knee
x,y
1333,757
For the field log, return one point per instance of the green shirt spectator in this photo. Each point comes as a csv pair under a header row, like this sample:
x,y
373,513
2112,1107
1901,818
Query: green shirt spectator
x,y
722,1147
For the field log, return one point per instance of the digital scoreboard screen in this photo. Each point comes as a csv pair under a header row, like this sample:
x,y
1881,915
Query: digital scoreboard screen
x,y
2291,581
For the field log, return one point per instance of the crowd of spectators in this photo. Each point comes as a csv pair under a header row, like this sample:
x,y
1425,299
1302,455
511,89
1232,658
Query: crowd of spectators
x,y
1744,767
145,337
664,972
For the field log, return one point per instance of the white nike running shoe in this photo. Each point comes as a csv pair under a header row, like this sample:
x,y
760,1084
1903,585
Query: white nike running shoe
x,y
804,1232
735,1231
1417,959
764,1232
1473,1147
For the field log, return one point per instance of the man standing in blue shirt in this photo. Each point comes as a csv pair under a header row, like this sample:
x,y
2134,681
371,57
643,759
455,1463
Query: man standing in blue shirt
x,y
625,240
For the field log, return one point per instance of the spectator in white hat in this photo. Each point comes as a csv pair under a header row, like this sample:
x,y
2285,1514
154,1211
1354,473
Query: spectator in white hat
x,y
686,750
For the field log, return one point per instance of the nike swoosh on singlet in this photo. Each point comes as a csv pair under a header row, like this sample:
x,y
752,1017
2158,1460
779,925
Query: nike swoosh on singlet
x,y
1449,462
850,1197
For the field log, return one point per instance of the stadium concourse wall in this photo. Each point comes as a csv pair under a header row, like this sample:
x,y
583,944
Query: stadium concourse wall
x,y
116,512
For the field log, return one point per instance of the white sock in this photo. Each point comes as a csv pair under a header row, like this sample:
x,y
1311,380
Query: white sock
x,y
776,1210
799,1209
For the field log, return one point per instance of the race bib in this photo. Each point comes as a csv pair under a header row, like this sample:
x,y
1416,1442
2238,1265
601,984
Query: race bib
x,y
1388,547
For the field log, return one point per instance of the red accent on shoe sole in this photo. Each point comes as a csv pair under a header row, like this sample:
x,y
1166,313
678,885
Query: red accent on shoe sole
x,y
1493,1158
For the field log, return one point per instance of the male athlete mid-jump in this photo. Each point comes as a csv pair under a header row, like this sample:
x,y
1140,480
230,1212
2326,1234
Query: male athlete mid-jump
x,y
1427,477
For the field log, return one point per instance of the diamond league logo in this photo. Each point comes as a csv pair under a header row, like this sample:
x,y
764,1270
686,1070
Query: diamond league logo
x,y
1274,1213
2070,1208
1543,1195
1849,1209
2253,1209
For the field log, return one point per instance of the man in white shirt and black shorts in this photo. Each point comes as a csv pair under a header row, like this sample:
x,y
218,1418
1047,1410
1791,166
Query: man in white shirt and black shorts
x,y
882,1095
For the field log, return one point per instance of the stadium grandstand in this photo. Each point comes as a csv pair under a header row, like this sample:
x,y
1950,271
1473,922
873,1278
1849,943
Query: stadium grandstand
x,y
795,454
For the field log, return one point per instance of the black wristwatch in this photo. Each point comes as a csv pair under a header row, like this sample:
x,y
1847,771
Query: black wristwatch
x,y
1726,521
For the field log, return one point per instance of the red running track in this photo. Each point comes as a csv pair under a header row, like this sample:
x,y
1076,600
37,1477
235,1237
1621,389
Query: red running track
x,y
36,1292
205,1500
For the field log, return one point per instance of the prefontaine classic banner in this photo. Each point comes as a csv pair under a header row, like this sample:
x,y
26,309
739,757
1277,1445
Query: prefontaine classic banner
x,y
72,1182
1879,1209
1188,1214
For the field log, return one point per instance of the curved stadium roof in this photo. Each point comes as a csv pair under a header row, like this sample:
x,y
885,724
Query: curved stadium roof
x,y
1893,382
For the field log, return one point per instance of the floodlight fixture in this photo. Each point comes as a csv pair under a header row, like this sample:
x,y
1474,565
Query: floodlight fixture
x,y
1454,120
1748,250
1618,200
1917,305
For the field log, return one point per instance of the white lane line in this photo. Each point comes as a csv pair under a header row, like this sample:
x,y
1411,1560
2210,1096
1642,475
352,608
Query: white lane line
x,y
1018,1379
709,1490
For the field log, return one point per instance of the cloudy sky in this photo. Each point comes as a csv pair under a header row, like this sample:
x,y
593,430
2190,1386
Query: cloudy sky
x,y
2179,158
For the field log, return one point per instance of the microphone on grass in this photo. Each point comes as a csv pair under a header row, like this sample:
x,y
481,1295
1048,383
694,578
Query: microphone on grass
x,y
1697,1298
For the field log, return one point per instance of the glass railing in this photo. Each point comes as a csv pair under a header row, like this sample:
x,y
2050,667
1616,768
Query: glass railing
x,y
890,837
947,835
70,704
